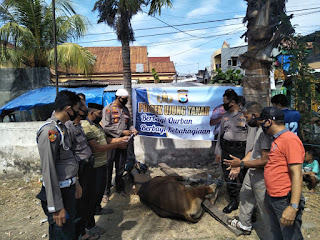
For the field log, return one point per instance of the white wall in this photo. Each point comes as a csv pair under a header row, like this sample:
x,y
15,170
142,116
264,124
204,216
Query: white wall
x,y
19,153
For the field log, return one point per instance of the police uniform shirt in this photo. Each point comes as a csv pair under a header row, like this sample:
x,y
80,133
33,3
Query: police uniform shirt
x,y
233,128
115,120
58,162
79,142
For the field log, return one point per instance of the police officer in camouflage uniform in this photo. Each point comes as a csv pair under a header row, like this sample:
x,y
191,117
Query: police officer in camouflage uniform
x,y
231,140
117,122
86,176
59,168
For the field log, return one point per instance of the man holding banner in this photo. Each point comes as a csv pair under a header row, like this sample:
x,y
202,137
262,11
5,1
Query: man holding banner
x,y
231,140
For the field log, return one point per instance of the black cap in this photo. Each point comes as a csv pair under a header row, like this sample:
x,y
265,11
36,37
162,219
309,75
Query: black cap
x,y
271,113
95,106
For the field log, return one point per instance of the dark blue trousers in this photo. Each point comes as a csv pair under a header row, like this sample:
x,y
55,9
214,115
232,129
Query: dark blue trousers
x,y
275,207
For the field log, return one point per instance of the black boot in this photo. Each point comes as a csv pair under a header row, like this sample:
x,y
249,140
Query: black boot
x,y
233,205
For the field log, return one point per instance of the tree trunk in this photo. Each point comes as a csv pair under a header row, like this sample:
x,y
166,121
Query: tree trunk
x,y
127,72
256,84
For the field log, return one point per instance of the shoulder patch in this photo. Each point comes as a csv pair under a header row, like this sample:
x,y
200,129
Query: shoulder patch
x,y
52,135
108,111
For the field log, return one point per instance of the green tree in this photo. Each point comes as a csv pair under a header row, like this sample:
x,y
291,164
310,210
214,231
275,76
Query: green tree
x,y
26,35
231,76
118,15
304,84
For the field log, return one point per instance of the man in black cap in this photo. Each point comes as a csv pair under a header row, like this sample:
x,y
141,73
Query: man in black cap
x,y
283,177
99,145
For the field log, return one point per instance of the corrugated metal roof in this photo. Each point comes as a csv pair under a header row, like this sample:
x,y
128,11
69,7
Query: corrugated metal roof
x,y
114,88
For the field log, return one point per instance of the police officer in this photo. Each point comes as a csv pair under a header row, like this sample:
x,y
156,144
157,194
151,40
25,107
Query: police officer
x,y
84,156
231,140
116,121
59,168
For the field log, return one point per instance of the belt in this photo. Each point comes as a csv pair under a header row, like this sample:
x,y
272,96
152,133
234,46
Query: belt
x,y
234,143
65,183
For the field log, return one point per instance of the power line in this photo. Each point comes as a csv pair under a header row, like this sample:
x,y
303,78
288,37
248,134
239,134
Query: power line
x,y
195,23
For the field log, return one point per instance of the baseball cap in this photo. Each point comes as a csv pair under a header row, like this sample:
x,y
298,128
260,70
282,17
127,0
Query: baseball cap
x,y
95,106
272,113
122,93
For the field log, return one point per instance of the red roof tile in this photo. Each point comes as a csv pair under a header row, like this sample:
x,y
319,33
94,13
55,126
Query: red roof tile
x,y
159,59
109,59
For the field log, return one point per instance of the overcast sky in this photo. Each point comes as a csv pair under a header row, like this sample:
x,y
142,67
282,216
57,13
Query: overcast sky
x,y
190,50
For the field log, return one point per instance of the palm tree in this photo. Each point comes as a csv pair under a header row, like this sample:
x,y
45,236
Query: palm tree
x,y
26,35
267,26
118,14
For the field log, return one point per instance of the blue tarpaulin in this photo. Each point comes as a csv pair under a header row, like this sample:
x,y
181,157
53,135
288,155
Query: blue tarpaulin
x,y
47,95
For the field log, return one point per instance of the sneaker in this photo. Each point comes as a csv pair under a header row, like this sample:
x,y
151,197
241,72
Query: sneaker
x,y
96,231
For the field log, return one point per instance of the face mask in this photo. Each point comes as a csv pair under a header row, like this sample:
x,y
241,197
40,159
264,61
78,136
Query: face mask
x,y
253,122
123,101
264,128
85,114
97,120
74,116
226,106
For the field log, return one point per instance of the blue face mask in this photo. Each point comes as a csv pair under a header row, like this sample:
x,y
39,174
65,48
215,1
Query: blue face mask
x,y
265,128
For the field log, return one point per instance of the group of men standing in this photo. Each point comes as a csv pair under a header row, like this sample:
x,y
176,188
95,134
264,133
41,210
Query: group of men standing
x,y
258,151
78,146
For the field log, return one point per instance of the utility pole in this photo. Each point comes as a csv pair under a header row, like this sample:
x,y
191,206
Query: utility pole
x,y
54,27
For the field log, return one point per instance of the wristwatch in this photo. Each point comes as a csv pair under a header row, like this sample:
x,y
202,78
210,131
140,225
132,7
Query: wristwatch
x,y
242,164
294,206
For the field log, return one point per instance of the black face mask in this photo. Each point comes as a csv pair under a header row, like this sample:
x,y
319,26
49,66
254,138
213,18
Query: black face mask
x,y
253,122
226,106
264,128
84,115
123,101
74,116
97,120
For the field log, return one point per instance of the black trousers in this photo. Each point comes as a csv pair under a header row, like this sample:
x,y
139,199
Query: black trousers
x,y
85,210
100,185
67,231
119,157
232,187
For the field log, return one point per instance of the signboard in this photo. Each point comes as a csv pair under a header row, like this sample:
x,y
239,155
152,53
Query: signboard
x,y
181,113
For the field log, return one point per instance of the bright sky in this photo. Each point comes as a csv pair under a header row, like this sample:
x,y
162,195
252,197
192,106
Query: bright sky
x,y
192,30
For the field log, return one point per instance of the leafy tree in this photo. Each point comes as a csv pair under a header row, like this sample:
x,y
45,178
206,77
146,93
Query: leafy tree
x,y
304,83
155,76
231,76
26,33
118,15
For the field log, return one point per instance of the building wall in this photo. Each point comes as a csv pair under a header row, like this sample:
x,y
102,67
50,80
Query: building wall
x,y
19,153
227,53
16,81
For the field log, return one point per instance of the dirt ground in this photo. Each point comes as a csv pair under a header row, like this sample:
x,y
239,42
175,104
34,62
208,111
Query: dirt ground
x,y
21,215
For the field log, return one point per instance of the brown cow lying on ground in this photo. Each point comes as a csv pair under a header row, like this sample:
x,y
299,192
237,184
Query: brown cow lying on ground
x,y
168,197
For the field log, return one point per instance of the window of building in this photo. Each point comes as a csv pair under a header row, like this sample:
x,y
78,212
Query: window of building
x,y
234,61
